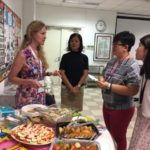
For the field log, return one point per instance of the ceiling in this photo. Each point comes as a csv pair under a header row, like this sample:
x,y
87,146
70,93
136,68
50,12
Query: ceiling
x,y
138,7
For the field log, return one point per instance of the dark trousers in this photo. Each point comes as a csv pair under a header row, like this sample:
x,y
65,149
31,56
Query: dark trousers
x,y
117,122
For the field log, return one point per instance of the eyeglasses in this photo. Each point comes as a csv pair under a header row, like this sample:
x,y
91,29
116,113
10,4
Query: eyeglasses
x,y
118,44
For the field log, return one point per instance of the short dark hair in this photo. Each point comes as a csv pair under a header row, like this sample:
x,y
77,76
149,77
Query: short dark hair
x,y
80,39
126,38
145,41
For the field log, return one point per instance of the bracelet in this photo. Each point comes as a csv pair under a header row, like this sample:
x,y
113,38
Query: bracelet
x,y
109,86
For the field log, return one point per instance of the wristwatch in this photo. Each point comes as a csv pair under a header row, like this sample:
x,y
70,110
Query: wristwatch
x,y
109,86
78,85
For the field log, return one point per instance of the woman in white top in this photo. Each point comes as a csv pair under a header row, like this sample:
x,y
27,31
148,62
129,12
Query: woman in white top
x,y
141,134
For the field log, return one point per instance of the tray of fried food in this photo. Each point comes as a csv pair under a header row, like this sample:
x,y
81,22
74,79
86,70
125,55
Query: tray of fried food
x,y
57,113
68,130
74,144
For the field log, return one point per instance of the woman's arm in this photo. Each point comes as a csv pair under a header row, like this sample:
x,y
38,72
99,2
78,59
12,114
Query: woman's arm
x,y
127,90
19,61
83,78
54,73
65,80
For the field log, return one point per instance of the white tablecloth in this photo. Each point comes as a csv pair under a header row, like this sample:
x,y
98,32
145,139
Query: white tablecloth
x,y
106,141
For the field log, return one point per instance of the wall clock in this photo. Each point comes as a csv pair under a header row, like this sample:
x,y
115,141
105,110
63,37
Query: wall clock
x,y
100,25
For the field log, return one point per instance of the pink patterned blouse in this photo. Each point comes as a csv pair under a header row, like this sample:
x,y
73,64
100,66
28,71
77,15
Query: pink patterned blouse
x,y
26,94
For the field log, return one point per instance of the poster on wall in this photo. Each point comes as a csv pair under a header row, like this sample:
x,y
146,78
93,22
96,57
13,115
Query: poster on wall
x,y
10,37
103,46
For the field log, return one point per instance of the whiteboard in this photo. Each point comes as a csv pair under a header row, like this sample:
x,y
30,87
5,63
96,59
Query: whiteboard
x,y
138,26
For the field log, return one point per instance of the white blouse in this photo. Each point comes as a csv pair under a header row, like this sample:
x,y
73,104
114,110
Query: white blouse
x,y
146,100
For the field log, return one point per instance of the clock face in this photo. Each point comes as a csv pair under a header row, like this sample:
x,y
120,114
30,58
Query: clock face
x,y
100,25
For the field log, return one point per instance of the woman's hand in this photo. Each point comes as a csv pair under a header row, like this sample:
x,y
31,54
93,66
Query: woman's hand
x,y
35,83
54,73
101,79
75,90
102,84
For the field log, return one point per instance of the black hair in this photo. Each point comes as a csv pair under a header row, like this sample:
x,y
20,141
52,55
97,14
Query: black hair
x,y
126,38
80,39
145,41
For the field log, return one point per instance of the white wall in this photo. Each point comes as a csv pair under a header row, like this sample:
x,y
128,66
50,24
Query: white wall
x,y
29,12
139,27
77,17
16,7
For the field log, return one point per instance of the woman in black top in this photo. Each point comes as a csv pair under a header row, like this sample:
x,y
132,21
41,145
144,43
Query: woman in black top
x,y
74,71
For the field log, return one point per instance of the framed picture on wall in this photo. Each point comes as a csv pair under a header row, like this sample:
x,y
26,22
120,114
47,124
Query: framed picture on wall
x,y
102,46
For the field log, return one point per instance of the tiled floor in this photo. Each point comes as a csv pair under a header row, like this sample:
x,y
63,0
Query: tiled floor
x,y
93,106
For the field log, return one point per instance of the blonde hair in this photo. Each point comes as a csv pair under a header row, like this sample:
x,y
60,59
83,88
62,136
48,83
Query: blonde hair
x,y
34,27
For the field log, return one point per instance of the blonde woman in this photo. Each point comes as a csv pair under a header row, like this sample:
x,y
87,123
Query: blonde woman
x,y
29,67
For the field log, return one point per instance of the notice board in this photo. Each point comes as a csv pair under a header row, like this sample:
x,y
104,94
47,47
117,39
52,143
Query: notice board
x,y
10,37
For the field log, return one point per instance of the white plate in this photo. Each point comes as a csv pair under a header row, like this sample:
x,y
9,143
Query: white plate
x,y
78,118
25,110
28,143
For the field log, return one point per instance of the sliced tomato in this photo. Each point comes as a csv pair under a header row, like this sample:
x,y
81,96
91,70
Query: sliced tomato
x,y
73,147
93,147
56,147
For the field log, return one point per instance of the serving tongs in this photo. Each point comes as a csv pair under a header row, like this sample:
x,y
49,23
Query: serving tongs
x,y
76,124
16,119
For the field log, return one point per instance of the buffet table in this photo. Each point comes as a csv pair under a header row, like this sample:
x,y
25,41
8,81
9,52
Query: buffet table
x,y
36,134
105,140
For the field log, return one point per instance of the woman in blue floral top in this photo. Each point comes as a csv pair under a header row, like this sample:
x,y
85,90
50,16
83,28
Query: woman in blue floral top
x,y
29,67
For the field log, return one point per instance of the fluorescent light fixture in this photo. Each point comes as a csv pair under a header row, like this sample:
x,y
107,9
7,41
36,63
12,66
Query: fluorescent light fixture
x,y
80,2
72,1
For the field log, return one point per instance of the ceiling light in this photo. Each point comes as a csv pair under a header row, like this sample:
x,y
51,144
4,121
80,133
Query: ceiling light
x,y
82,3
73,2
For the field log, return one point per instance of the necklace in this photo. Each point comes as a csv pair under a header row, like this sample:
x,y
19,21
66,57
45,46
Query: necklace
x,y
117,65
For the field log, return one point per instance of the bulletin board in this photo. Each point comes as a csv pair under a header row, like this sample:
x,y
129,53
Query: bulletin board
x,y
10,37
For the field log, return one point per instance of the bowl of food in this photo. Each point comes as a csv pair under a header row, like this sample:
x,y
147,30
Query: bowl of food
x,y
87,131
66,144
57,113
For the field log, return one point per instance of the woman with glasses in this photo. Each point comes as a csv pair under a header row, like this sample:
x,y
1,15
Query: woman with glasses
x,y
120,81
